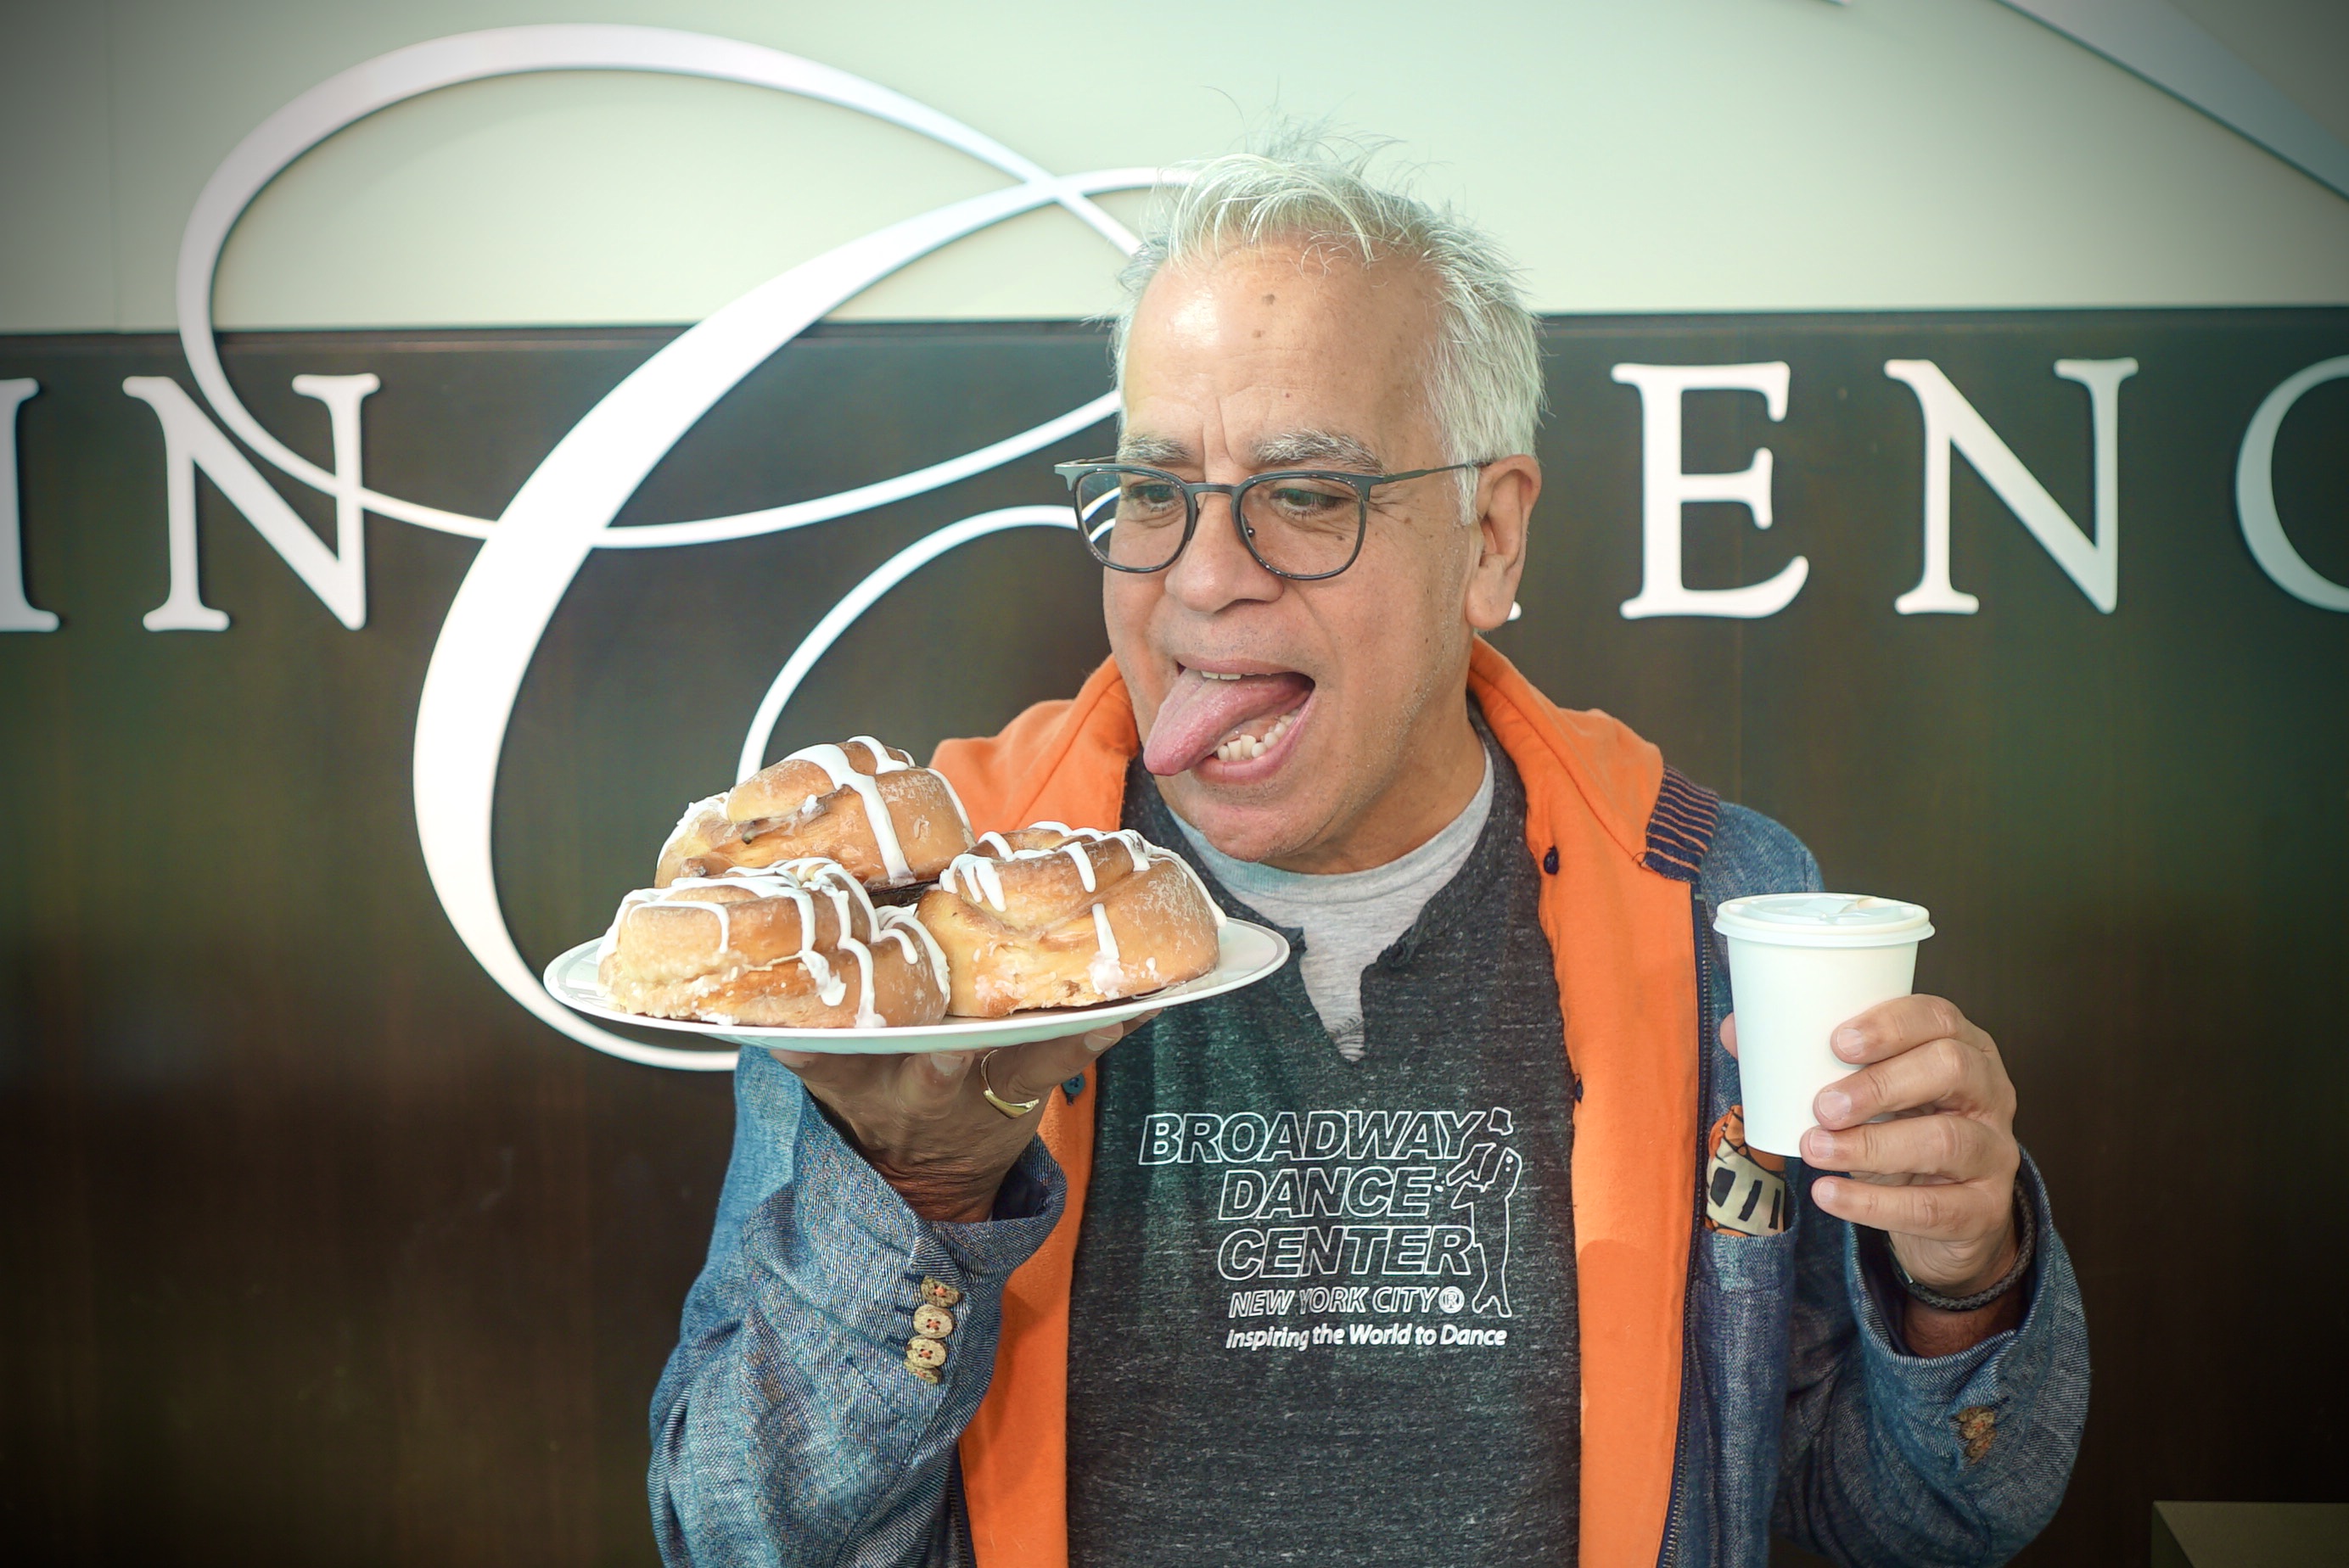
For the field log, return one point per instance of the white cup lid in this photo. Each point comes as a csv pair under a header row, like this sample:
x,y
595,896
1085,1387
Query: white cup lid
x,y
1822,920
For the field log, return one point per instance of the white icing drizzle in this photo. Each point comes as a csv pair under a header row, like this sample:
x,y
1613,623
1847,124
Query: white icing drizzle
x,y
798,881
707,803
711,803
895,924
882,761
611,938
947,784
1138,849
833,761
979,879
846,892
1106,971
979,876
801,881
907,928
866,1018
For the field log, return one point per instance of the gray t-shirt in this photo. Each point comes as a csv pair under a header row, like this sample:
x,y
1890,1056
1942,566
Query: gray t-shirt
x,y
1324,1310
1348,918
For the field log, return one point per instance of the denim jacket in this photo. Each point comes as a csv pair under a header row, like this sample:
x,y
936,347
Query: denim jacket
x,y
786,1429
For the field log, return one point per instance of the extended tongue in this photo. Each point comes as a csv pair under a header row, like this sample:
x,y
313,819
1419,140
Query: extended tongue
x,y
1199,712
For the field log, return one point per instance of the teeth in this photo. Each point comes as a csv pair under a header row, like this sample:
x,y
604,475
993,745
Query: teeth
x,y
1239,747
1212,675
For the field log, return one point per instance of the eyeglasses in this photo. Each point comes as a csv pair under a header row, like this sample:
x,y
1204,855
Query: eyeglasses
x,y
1303,524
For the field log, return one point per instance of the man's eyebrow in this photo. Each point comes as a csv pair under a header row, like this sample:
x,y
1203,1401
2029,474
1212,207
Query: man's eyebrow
x,y
1153,452
1289,450
1298,448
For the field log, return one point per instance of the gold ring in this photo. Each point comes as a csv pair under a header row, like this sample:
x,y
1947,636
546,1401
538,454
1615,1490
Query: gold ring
x,y
1011,1108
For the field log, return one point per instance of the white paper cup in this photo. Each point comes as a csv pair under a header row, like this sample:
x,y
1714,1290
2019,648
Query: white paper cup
x,y
1800,963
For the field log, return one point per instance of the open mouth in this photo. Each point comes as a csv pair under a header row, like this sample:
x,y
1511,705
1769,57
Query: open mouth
x,y
1236,725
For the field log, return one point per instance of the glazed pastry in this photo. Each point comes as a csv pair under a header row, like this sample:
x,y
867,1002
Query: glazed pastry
x,y
1055,916
799,944
863,804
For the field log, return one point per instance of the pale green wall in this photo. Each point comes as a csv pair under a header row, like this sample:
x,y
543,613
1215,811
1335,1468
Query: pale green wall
x,y
1664,155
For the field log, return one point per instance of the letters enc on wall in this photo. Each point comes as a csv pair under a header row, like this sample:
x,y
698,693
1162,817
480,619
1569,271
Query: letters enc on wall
x,y
193,444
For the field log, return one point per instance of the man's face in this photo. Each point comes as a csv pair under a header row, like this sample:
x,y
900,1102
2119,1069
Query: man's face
x,y
1263,360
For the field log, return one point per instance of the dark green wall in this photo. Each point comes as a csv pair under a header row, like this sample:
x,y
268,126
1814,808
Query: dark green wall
x,y
316,1248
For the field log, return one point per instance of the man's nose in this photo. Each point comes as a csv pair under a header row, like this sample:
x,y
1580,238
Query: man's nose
x,y
1216,569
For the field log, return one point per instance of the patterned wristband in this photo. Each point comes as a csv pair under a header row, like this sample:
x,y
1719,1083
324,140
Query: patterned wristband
x,y
2028,1226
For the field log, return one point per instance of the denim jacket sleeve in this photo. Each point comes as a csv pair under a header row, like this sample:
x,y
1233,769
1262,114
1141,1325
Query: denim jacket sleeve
x,y
1890,1458
786,1429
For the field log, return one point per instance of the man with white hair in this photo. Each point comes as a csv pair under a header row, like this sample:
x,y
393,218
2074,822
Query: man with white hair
x,y
1444,1244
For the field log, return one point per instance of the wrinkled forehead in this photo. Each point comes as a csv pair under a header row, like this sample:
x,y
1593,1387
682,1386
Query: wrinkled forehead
x,y
1296,356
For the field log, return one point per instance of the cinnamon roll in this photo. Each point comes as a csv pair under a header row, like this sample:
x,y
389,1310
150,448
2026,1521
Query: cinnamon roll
x,y
863,804
1055,916
799,944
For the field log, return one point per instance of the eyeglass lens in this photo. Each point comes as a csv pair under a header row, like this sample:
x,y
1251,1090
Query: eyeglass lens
x,y
1296,524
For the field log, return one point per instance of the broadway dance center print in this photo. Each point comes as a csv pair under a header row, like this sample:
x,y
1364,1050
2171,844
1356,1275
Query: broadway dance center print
x,y
1377,1216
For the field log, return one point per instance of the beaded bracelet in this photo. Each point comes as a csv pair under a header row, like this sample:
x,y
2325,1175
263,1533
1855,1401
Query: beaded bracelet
x,y
2025,1222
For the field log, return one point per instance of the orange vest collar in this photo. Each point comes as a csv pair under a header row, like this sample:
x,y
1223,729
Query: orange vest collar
x,y
1624,944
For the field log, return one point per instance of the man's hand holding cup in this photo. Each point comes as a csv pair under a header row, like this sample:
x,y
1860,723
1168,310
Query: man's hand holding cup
x,y
1938,1175
1921,1136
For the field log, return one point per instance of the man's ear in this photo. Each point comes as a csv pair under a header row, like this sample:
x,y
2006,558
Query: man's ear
x,y
1506,492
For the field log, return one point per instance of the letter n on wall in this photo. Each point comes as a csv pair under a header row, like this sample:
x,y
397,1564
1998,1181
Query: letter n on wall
x,y
192,442
2094,564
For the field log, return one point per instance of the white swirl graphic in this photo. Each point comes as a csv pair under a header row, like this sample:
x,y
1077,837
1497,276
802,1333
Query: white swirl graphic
x,y
532,550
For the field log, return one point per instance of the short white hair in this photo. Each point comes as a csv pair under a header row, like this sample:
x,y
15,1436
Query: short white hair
x,y
1485,389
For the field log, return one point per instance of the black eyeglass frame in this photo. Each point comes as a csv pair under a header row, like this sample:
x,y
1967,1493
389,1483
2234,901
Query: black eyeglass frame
x,y
1363,484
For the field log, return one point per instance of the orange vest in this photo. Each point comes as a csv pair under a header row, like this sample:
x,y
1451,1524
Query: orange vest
x,y
1625,954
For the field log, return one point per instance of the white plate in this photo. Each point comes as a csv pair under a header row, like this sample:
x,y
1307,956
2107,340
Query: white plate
x,y
1249,952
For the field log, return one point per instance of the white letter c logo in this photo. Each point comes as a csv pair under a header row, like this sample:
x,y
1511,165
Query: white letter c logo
x,y
530,555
